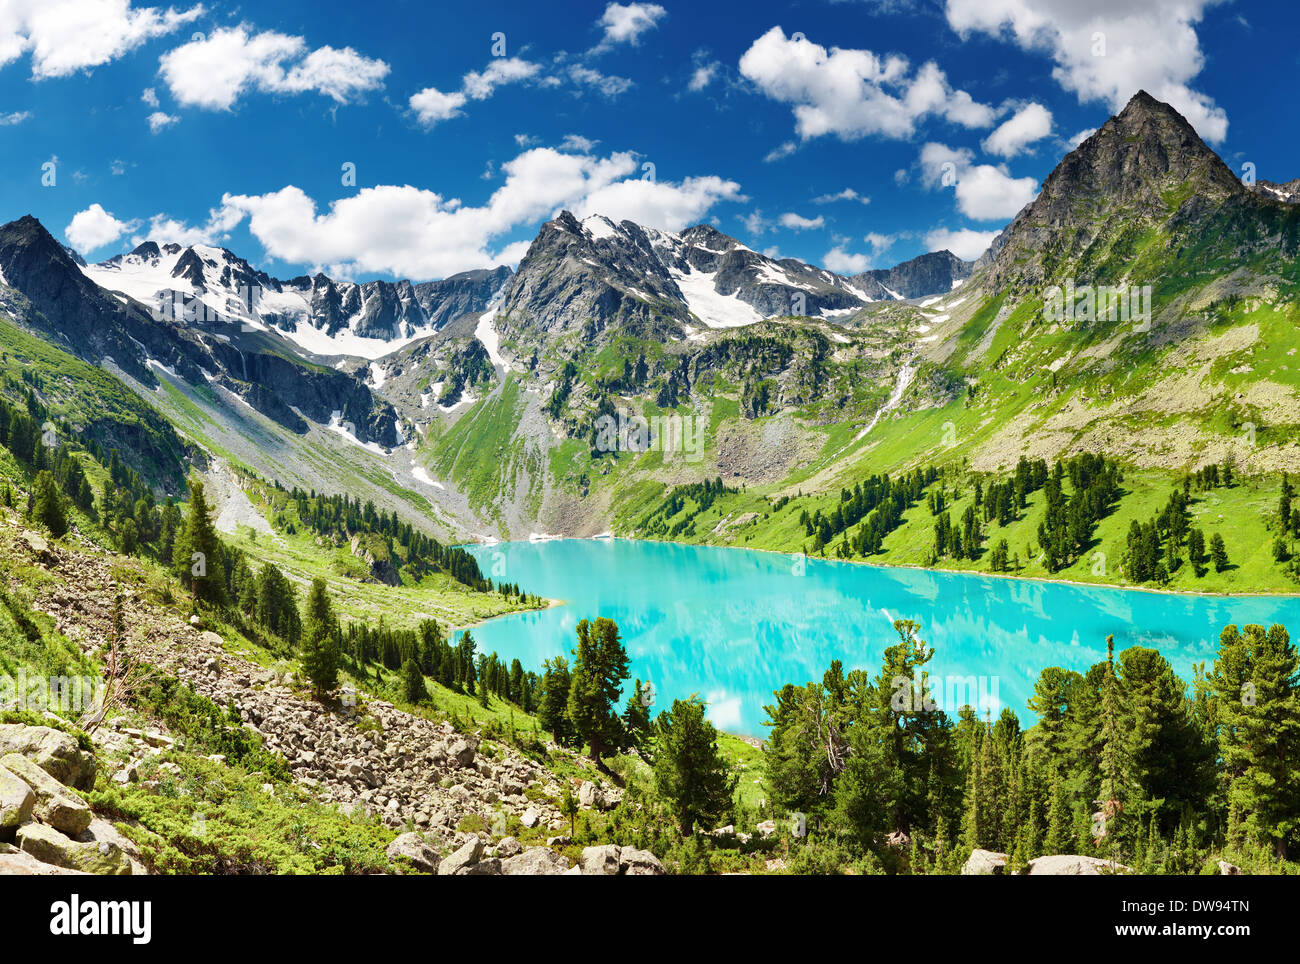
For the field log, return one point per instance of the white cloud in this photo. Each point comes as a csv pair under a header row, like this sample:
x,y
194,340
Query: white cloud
x,y
983,192
158,120
1076,139
65,36
431,105
965,243
841,262
626,22
854,93
703,75
1107,52
479,85
780,151
880,242
606,84
16,117
1030,123
150,97
848,194
412,232
797,222
93,228
213,72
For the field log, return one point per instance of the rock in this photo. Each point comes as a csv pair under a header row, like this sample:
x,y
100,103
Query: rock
x,y
535,861
898,839
16,802
462,859
560,841
767,828
484,868
531,818
983,863
19,864
600,861
462,751
54,805
52,750
509,847
1074,865
196,621
49,846
413,847
1228,870
588,795
640,863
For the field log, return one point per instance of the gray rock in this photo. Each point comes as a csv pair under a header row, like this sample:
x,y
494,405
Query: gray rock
x,y
1074,865
462,859
54,804
640,863
49,846
602,861
982,863
531,818
52,750
1228,870
414,848
536,861
509,847
16,802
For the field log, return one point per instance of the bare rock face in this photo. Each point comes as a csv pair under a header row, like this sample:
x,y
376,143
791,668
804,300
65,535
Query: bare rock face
x,y
1075,865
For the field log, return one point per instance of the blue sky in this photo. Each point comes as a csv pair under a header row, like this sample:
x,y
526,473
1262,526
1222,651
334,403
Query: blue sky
x,y
851,134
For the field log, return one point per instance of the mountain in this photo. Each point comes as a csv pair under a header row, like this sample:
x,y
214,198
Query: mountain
x,y
923,276
318,315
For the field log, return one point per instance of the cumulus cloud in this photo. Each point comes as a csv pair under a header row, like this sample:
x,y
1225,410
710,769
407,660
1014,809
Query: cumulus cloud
x,y
432,106
780,151
15,117
158,120
606,84
965,243
93,228
213,72
842,262
626,22
65,36
1108,52
417,233
1030,123
797,222
851,94
983,192
1076,139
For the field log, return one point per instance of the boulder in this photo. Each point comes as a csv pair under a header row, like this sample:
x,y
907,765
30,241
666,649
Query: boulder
x,y
531,818
1075,865
462,751
463,859
600,861
535,861
414,848
52,750
16,802
509,847
588,794
54,805
1228,870
19,864
51,847
984,863
640,863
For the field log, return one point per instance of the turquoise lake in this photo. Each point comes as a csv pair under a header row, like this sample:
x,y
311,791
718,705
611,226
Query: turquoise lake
x,y
733,624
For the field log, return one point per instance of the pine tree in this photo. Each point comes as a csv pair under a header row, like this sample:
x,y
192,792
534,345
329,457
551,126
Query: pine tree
x,y
197,552
47,505
599,669
320,654
1218,553
690,773
413,687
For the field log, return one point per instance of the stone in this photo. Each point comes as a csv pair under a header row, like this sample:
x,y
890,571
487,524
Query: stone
x,y
1228,870
531,818
16,802
464,858
767,828
49,846
462,751
600,861
1074,865
588,794
983,863
560,841
54,805
640,863
535,861
19,864
413,847
488,867
52,750
509,847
